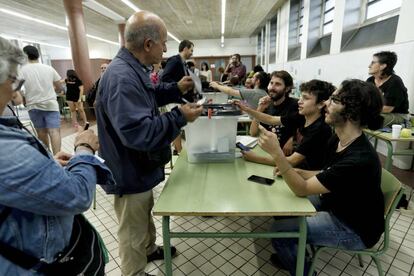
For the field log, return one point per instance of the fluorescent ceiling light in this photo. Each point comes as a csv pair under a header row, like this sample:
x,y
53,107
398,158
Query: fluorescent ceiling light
x,y
136,9
223,21
33,41
223,16
173,37
132,6
33,19
16,14
102,39
101,9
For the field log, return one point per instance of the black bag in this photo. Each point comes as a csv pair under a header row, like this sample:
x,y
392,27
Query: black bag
x,y
86,253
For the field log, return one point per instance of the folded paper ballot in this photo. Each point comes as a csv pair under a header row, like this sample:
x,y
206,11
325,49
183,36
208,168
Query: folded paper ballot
x,y
246,140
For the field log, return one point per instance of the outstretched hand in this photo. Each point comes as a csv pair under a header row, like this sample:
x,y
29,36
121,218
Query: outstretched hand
x,y
242,105
185,84
268,141
191,111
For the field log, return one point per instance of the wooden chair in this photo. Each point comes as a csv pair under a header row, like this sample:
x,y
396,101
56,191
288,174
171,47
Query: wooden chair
x,y
392,190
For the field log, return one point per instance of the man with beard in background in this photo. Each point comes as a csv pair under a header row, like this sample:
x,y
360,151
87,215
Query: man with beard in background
x,y
278,103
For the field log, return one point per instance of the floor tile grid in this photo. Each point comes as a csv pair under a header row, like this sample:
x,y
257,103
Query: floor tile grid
x,y
254,264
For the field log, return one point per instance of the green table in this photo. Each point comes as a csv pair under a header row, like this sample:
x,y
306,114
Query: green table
x,y
387,138
222,189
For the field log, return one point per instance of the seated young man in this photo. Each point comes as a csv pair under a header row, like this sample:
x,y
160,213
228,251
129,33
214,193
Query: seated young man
x,y
347,191
278,103
314,132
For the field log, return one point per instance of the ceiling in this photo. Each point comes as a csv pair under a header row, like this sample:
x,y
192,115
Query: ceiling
x,y
186,19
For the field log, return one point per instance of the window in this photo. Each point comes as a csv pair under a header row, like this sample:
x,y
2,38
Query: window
x,y
378,7
272,40
301,21
369,23
295,29
328,16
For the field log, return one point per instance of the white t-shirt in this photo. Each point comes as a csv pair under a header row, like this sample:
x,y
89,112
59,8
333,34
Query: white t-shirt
x,y
206,74
38,87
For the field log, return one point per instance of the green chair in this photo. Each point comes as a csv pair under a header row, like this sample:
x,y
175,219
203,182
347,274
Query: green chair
x,y
392,190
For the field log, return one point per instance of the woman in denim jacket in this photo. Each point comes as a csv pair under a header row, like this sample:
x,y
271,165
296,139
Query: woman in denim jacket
x,y
43,192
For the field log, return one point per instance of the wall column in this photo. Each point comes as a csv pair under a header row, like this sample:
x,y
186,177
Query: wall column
x,y
121,37
78,41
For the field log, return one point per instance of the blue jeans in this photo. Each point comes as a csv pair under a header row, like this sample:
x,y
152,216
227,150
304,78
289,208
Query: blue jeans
x,y
324,229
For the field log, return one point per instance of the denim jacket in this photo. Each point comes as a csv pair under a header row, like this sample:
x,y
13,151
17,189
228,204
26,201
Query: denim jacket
x,y
43,196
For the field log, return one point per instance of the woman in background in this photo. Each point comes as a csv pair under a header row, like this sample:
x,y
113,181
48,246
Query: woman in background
x,y
74,92
381,69
205,71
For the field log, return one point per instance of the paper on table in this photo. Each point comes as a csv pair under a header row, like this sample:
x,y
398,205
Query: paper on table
x,y
247,140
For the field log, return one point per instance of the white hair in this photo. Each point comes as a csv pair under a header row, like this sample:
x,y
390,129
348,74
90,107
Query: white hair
x,y
136,35
10,56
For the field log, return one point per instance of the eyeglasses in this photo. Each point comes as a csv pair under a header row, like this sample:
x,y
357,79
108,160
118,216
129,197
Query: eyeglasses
x,y
16,83
373,62
335,98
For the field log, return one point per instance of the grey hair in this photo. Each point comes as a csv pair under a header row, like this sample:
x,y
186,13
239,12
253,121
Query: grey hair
x,y
135,36
9,55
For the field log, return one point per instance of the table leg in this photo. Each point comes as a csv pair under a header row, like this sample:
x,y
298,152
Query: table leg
x,y
167,250
388,161
300,261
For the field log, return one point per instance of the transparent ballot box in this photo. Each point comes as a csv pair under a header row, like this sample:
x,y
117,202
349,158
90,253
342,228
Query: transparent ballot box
x,y
212,137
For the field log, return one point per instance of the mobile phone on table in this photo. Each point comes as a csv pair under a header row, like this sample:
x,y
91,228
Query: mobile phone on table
x,y
261,180
86,126
242,147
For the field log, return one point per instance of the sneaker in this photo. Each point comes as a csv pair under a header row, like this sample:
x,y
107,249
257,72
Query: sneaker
x,y
146,274
175,152
159,254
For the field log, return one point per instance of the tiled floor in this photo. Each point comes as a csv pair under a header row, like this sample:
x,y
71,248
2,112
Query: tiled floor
x,y
246,256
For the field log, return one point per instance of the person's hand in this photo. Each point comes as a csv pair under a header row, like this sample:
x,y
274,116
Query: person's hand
x,y
268,141
249,156
185,84
242,105
276,171
214,85
288,147
191,111
62,158
87,137
264,103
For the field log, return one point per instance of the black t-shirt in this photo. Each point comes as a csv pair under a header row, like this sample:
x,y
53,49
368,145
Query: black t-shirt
x,y
353,177
288,107
72,89
395,93
313,139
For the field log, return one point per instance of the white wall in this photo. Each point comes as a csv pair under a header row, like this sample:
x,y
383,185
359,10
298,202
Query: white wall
x,y
96,50
205,47
337,66
211,47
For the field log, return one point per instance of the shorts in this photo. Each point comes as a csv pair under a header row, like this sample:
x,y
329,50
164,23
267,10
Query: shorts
x,y
44,119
